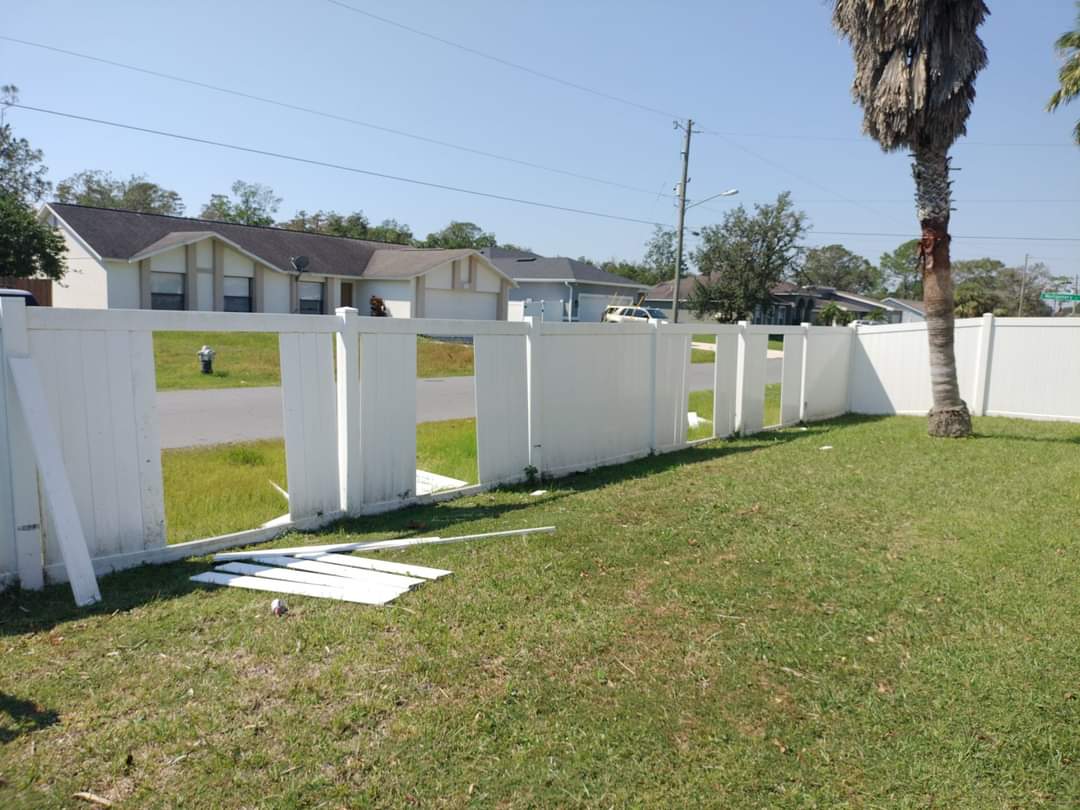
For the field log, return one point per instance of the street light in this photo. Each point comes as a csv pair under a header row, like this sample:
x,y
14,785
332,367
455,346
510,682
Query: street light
x,y
731,192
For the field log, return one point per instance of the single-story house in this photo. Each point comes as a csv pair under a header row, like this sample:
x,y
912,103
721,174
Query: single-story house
x,y
588,289
790,304
911,311
129,260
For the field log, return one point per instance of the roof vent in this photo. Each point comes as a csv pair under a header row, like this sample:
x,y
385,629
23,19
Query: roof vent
x,y
526,259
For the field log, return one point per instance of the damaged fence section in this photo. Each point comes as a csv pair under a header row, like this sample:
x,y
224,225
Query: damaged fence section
x,y
551,398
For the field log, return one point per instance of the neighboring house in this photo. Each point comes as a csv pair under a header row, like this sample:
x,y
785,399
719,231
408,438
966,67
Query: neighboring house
x,y
588,289
127,260
911,310
790,304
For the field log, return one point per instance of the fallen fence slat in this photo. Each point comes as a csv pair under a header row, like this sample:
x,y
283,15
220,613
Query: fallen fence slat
x,y
376,565
381,544
373,588
54,481
342,572
284,586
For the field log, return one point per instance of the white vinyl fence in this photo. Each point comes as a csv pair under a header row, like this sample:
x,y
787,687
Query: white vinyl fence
x,y
555,397
1022,367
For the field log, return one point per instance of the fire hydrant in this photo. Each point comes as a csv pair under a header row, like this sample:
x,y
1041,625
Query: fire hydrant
x,y
206,358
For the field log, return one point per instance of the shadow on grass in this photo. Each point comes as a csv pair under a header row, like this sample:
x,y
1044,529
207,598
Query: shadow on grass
x,y
18,717
38,611
31,612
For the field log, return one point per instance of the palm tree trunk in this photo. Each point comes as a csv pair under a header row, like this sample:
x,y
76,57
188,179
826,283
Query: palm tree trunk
x,y
949,417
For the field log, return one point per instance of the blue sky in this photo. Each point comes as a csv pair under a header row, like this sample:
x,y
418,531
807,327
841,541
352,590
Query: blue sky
x,y
771,75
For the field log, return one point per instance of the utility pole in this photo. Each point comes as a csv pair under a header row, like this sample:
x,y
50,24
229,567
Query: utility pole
x,y
682,221
1023,280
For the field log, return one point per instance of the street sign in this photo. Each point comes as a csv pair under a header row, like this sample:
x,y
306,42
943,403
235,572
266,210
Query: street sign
x,y
1059,296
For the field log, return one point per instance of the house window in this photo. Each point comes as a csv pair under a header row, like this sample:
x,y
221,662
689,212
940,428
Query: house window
x,y
311,297
467,276
237,294
166,291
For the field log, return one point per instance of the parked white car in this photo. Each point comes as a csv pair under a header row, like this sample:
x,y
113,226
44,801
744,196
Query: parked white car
x,y
634,314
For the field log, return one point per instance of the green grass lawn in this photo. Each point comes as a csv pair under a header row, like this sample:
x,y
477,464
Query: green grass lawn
x,y
226,488
251,359
747,624
701,403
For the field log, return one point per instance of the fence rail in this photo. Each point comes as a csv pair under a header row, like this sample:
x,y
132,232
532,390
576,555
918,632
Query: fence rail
x,y
557,397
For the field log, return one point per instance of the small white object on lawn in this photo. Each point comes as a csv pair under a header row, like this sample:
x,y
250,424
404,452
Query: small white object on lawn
x,y
825,447
278,607
536,493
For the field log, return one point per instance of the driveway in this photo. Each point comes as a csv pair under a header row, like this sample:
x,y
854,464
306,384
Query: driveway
x,y
218,415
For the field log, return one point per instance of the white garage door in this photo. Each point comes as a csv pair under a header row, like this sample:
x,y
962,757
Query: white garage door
x,y
461,305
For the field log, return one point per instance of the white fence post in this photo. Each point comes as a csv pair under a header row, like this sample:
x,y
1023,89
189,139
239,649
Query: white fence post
x,y
982,365
802,374
532,378
740,376
25,516
350,470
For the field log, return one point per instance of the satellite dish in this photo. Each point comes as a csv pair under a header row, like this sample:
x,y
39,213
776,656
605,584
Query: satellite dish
x,y
300,263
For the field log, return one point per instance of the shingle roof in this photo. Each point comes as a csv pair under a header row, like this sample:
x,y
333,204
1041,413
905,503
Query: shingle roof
x,y
662,291
910,303
520,264
119,234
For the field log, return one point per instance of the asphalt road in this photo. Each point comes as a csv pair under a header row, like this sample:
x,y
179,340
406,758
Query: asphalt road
x,y
217,415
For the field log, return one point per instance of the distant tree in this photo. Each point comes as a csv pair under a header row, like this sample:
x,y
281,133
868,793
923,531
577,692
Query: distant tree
x,y
391,231
832,315
989,286
902,270
1068,45
742,258
101,189
251,204
659,261
22,172
512,246
836,266
460,235
28,247
354,225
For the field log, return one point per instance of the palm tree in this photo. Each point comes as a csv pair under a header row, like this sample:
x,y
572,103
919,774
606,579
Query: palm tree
x,y
1068,45
915,67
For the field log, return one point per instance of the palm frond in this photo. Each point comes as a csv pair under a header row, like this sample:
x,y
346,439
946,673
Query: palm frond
x,y
915,67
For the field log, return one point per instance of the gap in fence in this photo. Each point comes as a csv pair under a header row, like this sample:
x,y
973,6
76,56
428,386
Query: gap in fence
x,y
700,377
446,449
219,474
774,388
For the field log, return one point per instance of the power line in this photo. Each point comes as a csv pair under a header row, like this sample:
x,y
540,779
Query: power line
x,y
795,136
506,62
326,114
339,166
620,99
459,189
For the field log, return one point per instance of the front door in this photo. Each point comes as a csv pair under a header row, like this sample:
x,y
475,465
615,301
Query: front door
x,y
346,293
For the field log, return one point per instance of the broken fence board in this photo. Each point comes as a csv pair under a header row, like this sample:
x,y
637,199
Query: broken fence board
x,y
377,589
377,565
54,481
380,544
283,586
343,572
